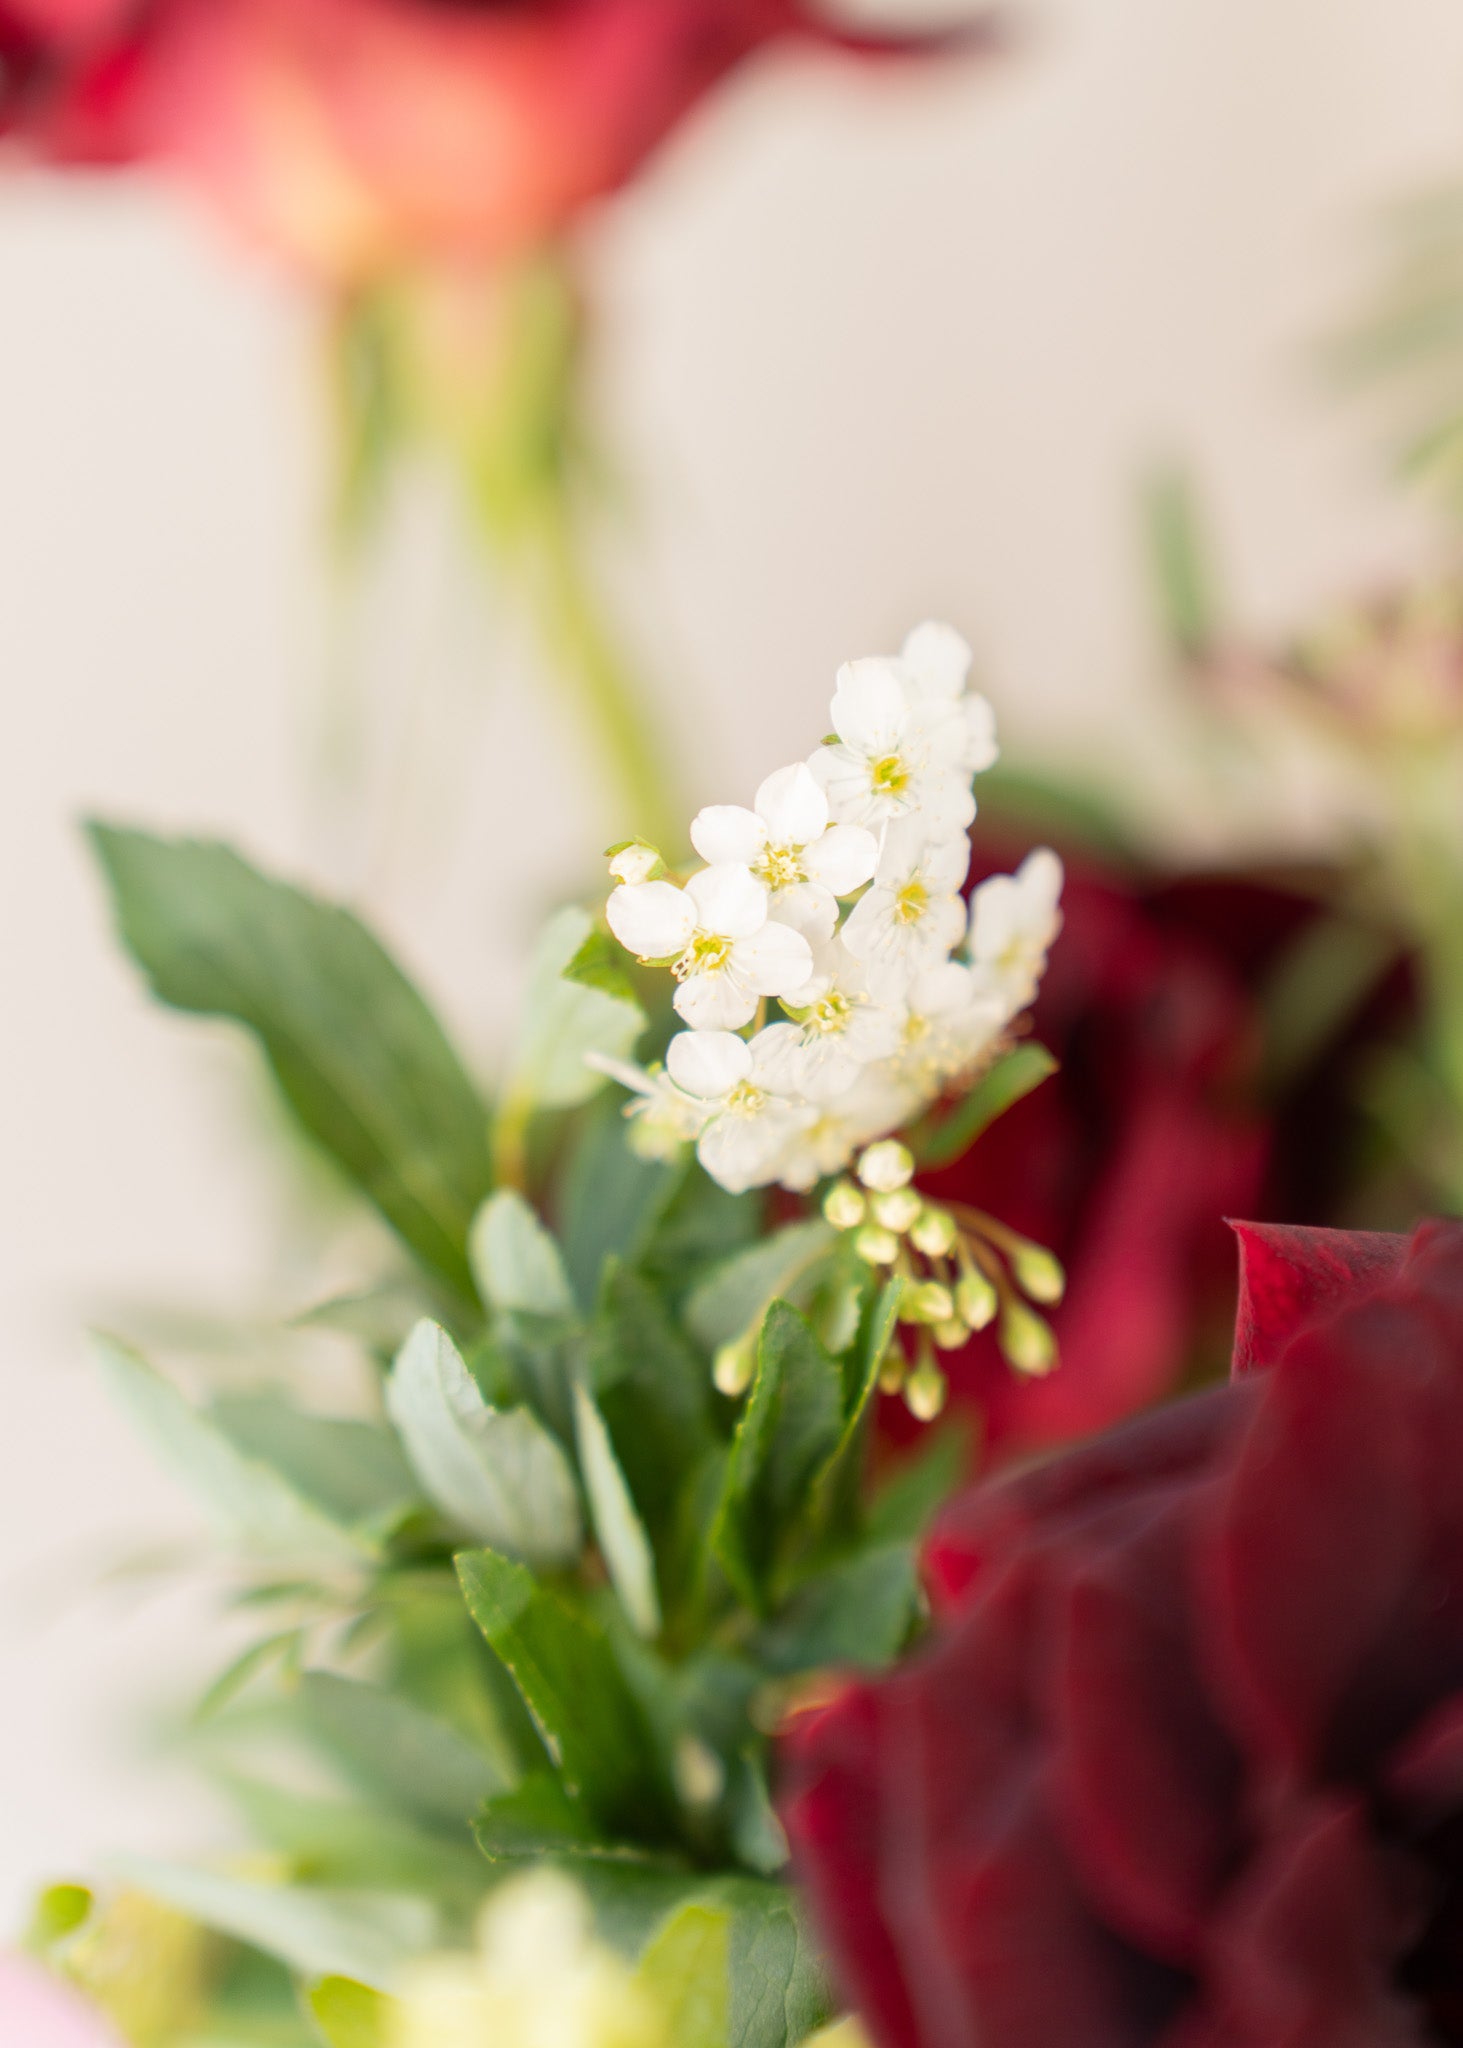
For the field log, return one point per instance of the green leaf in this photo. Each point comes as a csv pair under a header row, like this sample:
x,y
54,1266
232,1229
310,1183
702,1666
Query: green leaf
x,y
622,1538
996,1092
572,1685
59,1911
496,1473
779,1991
515,1260
655,1394
611,1200
361,1059
537,1818
600,963
685,1970
353,1470
858,1614
249,1501
563,1022
735,1297
396,1752
916,1490
789,1429
1181,564
334,1842
351,2015
364,1935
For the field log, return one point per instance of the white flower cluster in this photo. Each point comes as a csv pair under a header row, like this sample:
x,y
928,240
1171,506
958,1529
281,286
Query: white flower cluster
x,y
887,1002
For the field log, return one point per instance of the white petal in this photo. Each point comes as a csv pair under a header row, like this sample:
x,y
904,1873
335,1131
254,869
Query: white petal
x,y
1041,877
654,920
946,864
946,804
982,749
777,1059
938,658
708,1064
942,990
773,960
714,1002
792,806
808,908
870,706
905,843
728,832
729,900
843,859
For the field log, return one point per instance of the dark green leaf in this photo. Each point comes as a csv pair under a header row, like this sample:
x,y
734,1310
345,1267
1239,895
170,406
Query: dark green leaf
x,y
600,963
611,1200
396,1752
537,1818
655,1394
735,1297
361,1059
857,1613
789,1429
571,1683
915,1491
996,1092
619,1530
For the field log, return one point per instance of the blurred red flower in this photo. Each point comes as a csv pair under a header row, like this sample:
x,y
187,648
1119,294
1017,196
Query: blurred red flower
x,y
350,135
1159,1123
1184,1768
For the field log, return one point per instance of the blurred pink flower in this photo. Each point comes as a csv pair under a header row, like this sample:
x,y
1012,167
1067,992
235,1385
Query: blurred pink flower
x,y
350,135
38,2012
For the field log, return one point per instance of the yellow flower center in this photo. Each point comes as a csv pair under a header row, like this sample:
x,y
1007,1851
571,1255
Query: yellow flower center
x,y
889,776
745,1099
706,954
830,1014
911,902
780,867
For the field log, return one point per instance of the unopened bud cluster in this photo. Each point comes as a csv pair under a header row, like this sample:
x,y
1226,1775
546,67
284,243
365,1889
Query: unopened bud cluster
x,y
963,1271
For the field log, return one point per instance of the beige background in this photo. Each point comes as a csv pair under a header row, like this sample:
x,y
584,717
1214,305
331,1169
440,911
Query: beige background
x,y
868,350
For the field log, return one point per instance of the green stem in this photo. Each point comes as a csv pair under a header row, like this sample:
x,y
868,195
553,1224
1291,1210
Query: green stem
x,y
618,722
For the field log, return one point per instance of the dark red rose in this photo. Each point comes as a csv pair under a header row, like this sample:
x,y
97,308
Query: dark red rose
x,y
1183,1766
351,136
1161,1120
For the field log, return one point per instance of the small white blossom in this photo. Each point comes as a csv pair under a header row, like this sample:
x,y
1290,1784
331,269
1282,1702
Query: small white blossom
x,y
635,862
899,752
727,953
874,1104
838,1029
786,840
1014,920
952,1018
748,1124
938,662
662,1119
913,915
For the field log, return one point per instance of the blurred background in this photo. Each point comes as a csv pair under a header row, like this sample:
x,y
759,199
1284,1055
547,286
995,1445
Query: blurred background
x,y
865,348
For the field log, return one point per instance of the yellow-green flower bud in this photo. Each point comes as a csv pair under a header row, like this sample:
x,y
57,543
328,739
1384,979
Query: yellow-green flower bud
x,y
925,1391
634,860
886,1166
892,1368
876,1245
896,1210
844,1205
734,1365
951,1336
1039,1273
1027,1340
975,1300
934,1233
928,1301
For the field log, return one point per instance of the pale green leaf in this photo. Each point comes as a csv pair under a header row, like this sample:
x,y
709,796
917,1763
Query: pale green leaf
x,y
249,1501
685,1968
621,1534
783,1267
496,1473
515,1261
563,1022
351,2015
396,1751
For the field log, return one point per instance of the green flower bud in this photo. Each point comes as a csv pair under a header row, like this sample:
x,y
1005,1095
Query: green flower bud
x,y
934,1233
886,1166
975,1300
1039,1273
929,1301
925,1391
876,1245
844,1205
735,1364
951,1336
897,1210
892,1368
1027,1340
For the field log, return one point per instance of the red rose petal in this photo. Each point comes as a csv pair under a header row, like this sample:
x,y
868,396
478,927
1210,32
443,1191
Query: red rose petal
x,y
1304,1956
1147,1782
1427,1776
1287,1275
